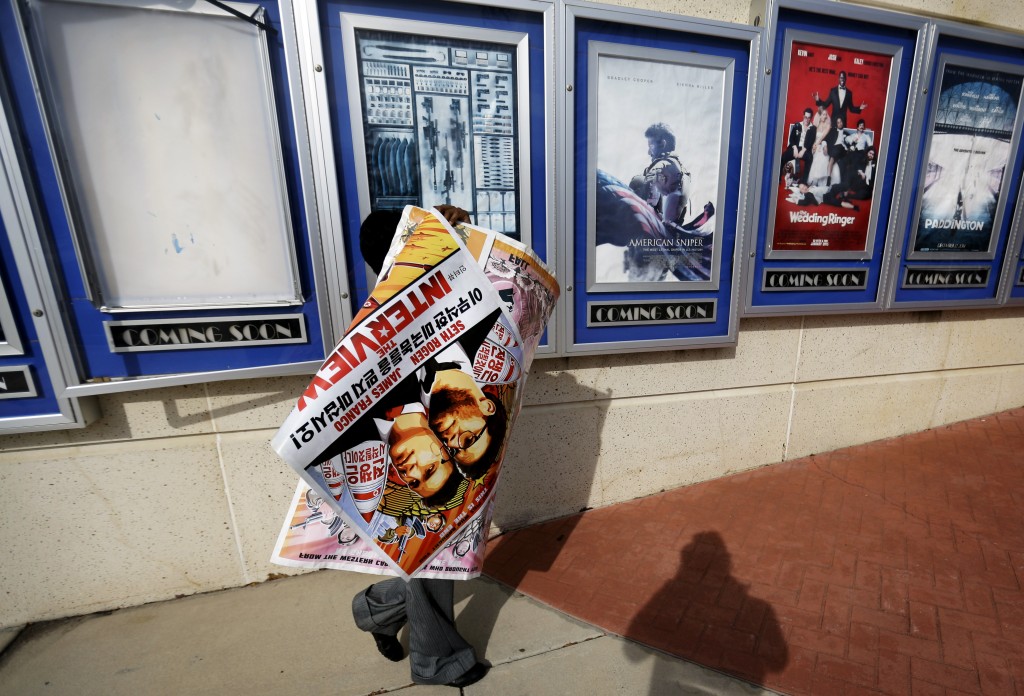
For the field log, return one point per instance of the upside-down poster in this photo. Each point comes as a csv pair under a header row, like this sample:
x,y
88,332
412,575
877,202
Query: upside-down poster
x,y
400,435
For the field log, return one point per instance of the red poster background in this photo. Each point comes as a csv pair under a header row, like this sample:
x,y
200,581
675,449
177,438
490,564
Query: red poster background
x,y
867,79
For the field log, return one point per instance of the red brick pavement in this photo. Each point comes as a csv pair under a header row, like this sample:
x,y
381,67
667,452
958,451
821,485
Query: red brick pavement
x,y
895,567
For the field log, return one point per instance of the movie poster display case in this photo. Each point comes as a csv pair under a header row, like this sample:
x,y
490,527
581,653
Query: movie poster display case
x,y
432,102
838,106
168,157
31,379
958,211
660,114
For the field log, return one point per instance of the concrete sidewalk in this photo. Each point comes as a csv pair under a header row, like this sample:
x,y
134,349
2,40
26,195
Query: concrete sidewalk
x,y
296,635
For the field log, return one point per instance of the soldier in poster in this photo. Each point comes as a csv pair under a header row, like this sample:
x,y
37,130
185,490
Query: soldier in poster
x,y
653,213
823,198
970,146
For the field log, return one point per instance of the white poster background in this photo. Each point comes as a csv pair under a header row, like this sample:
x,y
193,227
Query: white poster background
x,y
634,94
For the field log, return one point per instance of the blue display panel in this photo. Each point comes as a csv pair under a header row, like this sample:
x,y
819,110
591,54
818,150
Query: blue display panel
x,y
838,108
25,387
959,207
660,109
138,339
439,103
30,378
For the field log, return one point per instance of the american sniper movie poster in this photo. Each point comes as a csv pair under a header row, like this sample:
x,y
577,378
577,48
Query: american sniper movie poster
x,y
658,155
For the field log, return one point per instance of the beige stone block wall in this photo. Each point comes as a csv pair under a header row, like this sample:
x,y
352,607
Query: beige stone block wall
x,y
567,457
176,491
86,528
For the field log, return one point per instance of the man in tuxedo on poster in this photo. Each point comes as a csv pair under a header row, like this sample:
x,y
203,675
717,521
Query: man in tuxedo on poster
x,y
840,99
862,183
800,145
834,140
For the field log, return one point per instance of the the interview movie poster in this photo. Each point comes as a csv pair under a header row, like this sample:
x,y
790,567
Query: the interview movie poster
x,y
315,536
968,154
658,127
830,132
402,431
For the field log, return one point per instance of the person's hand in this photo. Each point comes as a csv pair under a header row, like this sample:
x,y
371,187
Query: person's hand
x,y
816,95
863,105
453,214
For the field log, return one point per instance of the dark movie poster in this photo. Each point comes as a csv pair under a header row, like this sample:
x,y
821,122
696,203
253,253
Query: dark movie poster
x,y
968,154
440,125
831,131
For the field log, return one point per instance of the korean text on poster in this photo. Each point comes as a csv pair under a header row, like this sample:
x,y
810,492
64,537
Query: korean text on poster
x,y
402,431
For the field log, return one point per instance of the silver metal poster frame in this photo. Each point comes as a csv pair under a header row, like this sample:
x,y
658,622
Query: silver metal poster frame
x,y
11,342
315,77
904,193
569,12
34,43
1012,277
328,260
922,46
20,215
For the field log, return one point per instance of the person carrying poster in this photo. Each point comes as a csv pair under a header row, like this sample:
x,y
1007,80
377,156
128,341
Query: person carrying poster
x,y
401,435
437,652
975,117
822,204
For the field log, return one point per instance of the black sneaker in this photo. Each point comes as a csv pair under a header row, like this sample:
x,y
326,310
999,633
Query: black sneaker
x,y
470,676
388,646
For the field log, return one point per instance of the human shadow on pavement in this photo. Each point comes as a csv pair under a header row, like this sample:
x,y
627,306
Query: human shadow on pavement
x,y
547,474
705,615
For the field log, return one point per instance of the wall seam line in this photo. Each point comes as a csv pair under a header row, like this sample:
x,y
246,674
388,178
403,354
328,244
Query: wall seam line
x,y
792,390
218,438
231,513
